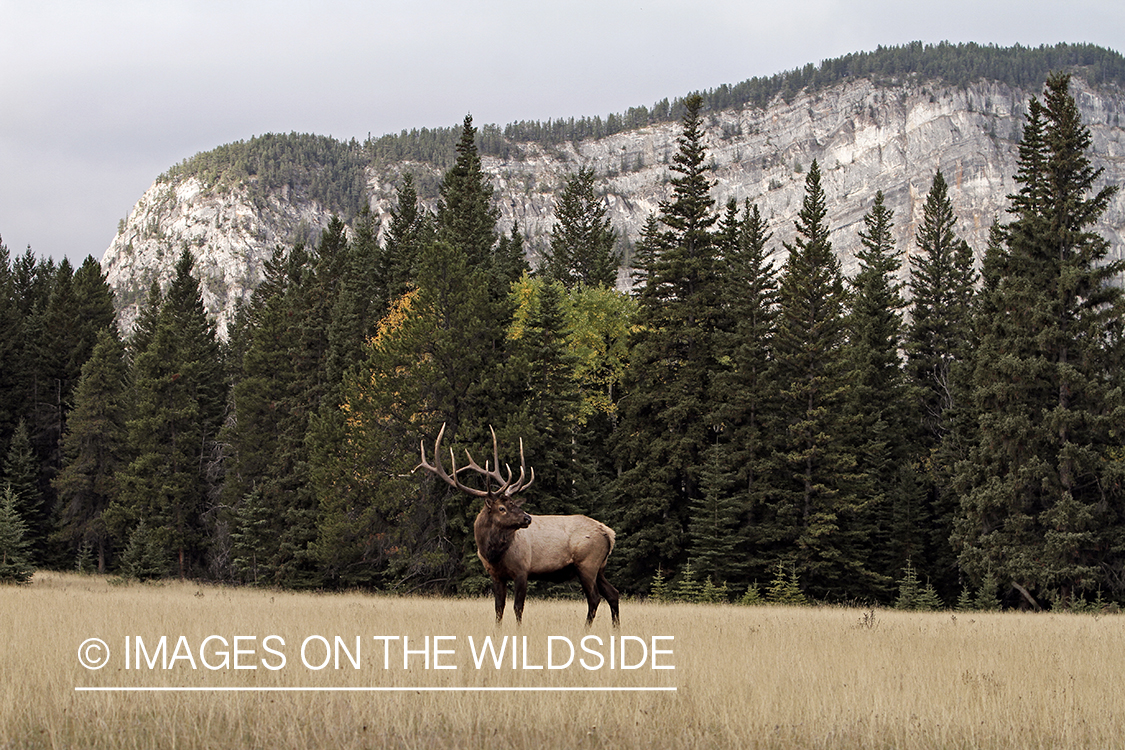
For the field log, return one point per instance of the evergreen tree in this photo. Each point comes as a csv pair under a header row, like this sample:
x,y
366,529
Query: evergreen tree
x,y
881,401
11,330
144,328
746,393
266,437
666,420
814,477
94,448
56,342
21,476
642,274
509,263
582,241
941,286
466,216
94,308
546,390
15,567
411,228
1039,502
715,519
179,401
436,359
939,341
312,322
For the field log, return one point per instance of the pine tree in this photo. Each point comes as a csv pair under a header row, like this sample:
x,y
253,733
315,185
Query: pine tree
x,y
410,229
813,479
145,556
509,262
1038,506
715,520
582,241
11,341
881,402
21,475
94,447
941,286
179,390
546,389
57,342
466,216
438,357
745,392
785,588
15,567
939,342
666,421
642,272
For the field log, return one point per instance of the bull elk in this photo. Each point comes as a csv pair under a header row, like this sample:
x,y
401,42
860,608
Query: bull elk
x,y
516,546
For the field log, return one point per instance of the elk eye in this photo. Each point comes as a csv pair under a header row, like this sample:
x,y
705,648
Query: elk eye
x,y
503,509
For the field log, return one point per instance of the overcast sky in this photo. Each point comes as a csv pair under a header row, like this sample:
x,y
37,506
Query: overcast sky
x,y
98,98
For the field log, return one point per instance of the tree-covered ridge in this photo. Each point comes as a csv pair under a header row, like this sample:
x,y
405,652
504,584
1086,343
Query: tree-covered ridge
x,y
318,167
331,171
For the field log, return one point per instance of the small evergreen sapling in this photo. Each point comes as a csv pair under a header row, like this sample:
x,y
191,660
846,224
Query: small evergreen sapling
x,y
14,565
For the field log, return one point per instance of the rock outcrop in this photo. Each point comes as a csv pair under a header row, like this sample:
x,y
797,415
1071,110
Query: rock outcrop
x,y
866,137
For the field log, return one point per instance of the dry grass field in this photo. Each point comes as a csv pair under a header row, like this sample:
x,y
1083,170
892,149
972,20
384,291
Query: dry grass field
x,y
744,677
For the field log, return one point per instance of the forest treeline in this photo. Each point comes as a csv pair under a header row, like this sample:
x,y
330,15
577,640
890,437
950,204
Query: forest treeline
x,y
332,172
755,425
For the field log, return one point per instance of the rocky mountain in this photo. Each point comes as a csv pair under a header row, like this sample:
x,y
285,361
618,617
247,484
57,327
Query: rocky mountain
x,y
868,133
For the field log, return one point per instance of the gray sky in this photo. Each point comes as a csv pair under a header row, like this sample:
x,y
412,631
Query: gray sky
x,y
98,98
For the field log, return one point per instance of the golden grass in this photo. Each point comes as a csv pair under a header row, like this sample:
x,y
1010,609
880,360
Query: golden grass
x,y
744,677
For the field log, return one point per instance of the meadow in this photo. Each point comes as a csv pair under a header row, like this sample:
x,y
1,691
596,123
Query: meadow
x,y
755,677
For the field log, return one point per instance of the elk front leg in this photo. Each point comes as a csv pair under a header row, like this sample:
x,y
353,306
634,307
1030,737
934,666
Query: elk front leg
x,y
500,592
519,591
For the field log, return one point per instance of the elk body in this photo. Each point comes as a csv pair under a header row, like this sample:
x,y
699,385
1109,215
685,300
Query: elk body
x,y
516,546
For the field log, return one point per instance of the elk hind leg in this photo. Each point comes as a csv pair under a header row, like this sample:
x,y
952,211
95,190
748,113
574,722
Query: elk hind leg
x,y
610,593
593,598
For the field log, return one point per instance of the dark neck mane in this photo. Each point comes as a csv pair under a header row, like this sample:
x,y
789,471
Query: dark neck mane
x,y
495,543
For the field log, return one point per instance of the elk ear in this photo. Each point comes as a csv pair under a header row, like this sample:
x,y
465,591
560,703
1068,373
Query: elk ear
x,y
489,501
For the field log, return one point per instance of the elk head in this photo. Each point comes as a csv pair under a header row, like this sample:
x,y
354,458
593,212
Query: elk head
x,y
500,503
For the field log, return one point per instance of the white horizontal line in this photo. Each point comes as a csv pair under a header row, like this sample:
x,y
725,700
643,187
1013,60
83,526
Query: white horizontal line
x,y
371,689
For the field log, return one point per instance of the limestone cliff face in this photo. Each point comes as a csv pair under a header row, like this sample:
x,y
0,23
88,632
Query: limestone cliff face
x,y
866,137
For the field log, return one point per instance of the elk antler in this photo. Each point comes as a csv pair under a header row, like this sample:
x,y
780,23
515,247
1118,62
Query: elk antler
x,y
505,486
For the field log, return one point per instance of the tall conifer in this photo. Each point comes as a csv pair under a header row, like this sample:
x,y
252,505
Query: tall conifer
x,y
94,447
814,478
880,398
582,241
666,421
1039,503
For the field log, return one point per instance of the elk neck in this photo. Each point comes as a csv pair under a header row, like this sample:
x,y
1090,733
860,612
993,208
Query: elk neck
x,y
493,540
